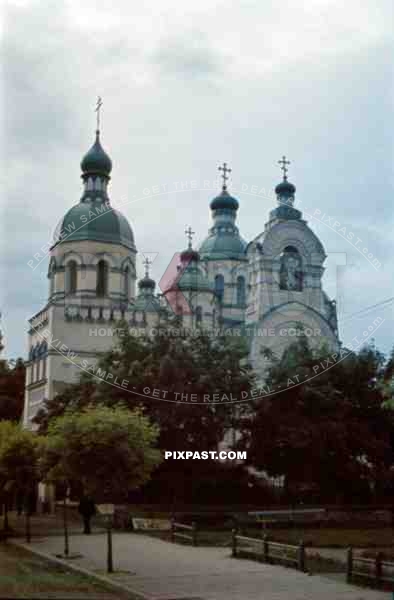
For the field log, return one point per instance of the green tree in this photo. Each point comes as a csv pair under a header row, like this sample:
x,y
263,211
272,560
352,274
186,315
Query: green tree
x,y
107,450
19,461
387,381
12,387
330,433
199,365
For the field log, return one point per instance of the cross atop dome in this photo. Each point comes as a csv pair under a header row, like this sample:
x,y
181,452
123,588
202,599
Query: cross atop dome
x,y
224,170
97,111
147,264
283,162
189,234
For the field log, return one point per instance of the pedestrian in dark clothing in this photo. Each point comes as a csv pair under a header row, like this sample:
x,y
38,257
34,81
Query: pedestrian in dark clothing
x,y
87,510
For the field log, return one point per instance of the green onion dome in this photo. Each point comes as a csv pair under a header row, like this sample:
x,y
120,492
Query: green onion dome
x,y
94,218
224,200
96,221
285,188
96,161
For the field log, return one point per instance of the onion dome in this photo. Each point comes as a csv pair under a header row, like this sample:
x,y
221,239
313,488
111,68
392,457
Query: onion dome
x,y
224,200
146,301
285,188
188,255
285,192
93,218
147,284
95,221
223,246
96,161
223,241
190,276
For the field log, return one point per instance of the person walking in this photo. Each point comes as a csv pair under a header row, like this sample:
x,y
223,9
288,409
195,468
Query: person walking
x,y
87,510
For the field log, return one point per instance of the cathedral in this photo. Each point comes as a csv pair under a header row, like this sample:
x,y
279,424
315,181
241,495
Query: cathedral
x,y
268,289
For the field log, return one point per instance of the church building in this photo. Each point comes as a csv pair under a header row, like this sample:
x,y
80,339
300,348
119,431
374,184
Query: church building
x,y
267,288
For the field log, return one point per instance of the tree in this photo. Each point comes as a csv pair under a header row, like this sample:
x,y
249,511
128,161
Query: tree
x,y
12,387
19,462
181,364
387,381
330,433
107,450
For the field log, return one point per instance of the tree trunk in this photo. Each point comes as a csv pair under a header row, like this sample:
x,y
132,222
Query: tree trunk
x,y
6,524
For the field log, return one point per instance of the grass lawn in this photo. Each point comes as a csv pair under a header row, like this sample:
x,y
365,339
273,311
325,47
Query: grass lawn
x,y
25,575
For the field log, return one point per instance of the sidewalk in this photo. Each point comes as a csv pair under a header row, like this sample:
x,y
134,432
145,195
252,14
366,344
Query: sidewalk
x,y
162,571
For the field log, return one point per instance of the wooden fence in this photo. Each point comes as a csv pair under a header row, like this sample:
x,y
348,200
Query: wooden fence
x,y
374,571
269,552
178,531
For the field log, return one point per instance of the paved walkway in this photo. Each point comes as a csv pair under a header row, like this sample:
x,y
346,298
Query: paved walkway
x,y
164,571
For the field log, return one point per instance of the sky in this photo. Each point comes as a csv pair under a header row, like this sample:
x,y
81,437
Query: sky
x,y
186,86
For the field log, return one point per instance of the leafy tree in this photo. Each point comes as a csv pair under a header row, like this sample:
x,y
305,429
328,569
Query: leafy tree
x,y
107,450
183,364
19,460
199,365
329,433
12,386
387,381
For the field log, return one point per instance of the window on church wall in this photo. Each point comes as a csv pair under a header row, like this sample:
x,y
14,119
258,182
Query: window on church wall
x,y
291,276
241,296
126,282
102,278
71,277
219,286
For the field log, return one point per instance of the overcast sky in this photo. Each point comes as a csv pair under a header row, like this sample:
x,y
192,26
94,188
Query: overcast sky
x,y
186,86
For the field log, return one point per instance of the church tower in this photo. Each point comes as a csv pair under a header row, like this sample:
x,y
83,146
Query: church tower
x,y
92,278
285,269
190,294
223,255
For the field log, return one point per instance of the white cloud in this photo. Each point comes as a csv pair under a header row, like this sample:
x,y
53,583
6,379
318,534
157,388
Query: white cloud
x,y
186,86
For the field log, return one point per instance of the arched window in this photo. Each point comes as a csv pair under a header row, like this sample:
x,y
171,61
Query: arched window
x,y
71,277
219,286
126,282
198,315
241,298
291,270
102,278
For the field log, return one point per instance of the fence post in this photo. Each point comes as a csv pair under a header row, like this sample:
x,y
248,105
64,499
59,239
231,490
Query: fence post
x,y
194,533
379,568
349,564
234,543
172,529
265,548
301,556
